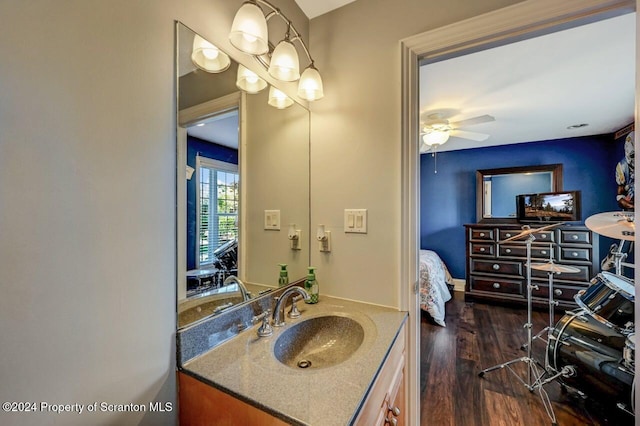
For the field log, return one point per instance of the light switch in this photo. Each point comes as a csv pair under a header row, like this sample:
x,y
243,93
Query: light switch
x,y
272,220
355,221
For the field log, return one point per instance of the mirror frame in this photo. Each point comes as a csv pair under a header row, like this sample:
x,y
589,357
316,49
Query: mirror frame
x,y
556,176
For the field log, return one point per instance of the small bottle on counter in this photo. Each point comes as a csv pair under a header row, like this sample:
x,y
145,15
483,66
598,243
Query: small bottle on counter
x,y
311,285
284,275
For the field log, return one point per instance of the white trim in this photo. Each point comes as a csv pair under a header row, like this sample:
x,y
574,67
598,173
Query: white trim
x,y
459,285
518,21
205,110
215,164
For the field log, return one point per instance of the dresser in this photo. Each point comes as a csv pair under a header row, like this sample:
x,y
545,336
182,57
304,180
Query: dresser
x,y
496,270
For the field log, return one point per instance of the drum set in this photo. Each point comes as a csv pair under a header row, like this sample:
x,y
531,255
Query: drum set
x,y
590,350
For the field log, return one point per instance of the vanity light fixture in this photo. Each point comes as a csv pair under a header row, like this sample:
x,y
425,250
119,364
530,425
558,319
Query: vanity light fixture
x,y
249,81
208,57
294,236
279,99
249,34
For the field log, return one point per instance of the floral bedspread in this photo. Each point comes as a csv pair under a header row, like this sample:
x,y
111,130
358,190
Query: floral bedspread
x,y
434,277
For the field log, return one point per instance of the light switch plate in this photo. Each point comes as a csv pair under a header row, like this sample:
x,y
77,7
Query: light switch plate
x,y
355,221
272,220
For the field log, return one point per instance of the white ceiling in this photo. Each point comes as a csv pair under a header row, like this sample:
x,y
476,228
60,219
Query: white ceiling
x,y
313,8
536,88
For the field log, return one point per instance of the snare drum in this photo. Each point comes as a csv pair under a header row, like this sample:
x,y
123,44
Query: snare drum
x,y
609,299
629,352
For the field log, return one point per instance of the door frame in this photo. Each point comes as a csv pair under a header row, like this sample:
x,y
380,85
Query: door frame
x,y
520,21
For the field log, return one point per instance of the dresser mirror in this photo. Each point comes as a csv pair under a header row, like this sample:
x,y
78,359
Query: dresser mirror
x,y
496,189
242,185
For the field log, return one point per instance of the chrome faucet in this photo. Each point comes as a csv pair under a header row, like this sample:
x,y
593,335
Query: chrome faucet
x,y
232,278
278,309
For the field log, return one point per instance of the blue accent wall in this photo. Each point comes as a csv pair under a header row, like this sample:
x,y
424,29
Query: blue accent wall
x,y
448,197
196,146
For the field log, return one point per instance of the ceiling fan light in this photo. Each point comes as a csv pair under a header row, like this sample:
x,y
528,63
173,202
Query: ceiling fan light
x,y
310,85
249,31
278,99
435,137
208,57
284,64
249,81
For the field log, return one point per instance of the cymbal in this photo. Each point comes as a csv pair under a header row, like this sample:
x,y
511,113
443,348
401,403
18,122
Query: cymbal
x,y
554,267
529,231
619,225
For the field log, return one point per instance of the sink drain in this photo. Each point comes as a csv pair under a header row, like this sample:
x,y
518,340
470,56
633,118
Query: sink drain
x,y
304,363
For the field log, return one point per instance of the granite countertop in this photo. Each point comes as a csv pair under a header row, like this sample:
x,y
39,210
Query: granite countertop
x,y
246,368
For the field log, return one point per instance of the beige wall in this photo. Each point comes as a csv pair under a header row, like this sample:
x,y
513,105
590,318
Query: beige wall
x,y
355,134
87,201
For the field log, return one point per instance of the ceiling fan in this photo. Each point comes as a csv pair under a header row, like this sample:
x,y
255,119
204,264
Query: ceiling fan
x,y
436,130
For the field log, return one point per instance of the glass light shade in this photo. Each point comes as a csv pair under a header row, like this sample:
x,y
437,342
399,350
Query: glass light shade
x,y
310,85
436,137
249,31
208,57
284,63
249,81
278,99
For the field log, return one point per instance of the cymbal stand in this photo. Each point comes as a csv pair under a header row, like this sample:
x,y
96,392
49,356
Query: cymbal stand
x,y
536,378
552,304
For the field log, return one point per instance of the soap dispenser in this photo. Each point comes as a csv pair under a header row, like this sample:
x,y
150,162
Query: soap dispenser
x,y
311,285
284,275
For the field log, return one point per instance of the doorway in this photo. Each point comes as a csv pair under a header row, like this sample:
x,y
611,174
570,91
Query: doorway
x,y
518,22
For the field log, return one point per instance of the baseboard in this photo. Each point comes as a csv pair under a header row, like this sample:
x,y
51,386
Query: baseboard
x,y
459,285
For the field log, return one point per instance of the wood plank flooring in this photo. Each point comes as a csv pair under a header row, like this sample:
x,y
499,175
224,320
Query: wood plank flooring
x,y
479,336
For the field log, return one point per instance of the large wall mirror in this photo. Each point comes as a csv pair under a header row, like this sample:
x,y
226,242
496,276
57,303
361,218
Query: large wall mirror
x,y
242,185
496,189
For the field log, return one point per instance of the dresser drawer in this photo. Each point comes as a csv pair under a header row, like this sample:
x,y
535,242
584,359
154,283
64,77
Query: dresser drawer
x,y
560,292
521,251
504,234
544,236
482,234
485,249
496,267
583,275
496,285
569,254
568,236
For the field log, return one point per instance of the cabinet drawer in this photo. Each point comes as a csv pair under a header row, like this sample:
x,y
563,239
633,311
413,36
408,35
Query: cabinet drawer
x,y
583,275
482,248
568,254
521,251
560,292
482,234
496,267
496,285
574,237
503,234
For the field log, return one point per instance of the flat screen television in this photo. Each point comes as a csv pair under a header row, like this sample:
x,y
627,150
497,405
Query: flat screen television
x,y
562,206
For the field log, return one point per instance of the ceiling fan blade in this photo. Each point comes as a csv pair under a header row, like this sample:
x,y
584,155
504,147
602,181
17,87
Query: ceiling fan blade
x,y
473,121
474,136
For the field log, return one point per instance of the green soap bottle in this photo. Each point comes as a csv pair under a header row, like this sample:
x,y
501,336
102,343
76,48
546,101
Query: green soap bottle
x,y
284,275
311,285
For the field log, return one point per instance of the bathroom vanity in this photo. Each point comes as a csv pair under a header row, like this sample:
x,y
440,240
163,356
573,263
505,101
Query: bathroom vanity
x,y
243,381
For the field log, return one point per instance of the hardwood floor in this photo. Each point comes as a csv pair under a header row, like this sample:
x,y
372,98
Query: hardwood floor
x,y
479,336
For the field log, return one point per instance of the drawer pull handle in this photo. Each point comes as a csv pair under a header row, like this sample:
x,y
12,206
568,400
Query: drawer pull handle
x,y
482,234
508,250
496,267
574,237
543,236
392,422
557,292
482,249
574,254
496,285
394,410
508,235
543,252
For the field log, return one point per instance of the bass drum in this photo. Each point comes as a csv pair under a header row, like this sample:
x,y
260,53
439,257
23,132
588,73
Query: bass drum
x,y
596,353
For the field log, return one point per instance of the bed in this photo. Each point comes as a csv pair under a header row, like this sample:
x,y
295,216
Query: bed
x,y
434,277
